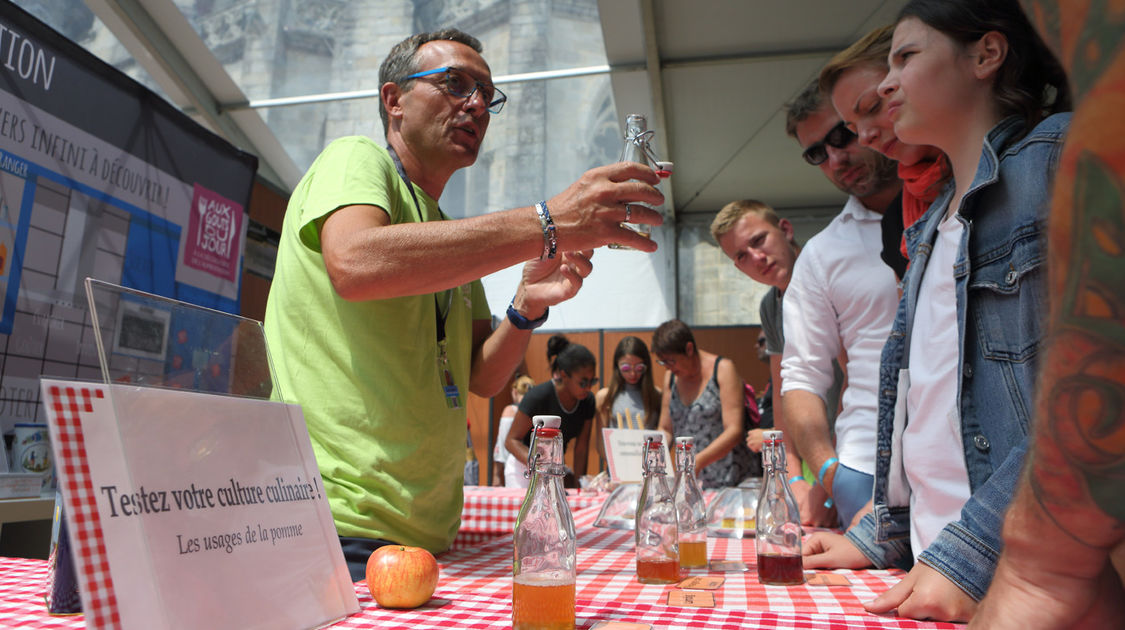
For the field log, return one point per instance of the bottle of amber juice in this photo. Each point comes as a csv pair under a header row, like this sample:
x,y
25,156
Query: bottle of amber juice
x,y
658,555
691,509
545,564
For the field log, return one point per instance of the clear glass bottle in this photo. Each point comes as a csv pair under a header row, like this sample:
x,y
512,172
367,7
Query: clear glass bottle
x,y
691,508
638,148
545,564
658,553
779,521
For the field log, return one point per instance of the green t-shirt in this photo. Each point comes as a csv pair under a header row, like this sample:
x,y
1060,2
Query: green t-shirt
x,y
390,451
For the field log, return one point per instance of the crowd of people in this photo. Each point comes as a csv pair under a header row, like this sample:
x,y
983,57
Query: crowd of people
x,y
912,369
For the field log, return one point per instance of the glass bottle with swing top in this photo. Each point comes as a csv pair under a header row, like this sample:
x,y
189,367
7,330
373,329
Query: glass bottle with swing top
x,y
779,521
656,533
545,562
691,508
638,148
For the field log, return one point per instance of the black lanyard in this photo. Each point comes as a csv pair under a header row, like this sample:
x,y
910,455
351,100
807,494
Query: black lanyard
x,y
439,317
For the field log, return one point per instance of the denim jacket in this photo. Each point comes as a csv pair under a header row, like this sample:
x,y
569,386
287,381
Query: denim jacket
x,y
1000,283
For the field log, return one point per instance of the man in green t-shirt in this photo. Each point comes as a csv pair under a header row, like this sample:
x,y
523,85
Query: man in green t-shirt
x,y
377,322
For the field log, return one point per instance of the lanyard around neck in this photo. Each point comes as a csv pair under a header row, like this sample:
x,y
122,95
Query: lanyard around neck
x,y
439,316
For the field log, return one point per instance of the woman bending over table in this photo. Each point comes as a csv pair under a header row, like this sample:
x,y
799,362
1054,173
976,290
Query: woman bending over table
x,y
703,398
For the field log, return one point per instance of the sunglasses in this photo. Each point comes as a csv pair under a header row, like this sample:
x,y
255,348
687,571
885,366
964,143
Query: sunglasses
x,y
838,137
638,368
587,383
460,84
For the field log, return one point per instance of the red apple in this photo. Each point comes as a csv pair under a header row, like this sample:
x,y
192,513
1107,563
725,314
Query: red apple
x,y
401,577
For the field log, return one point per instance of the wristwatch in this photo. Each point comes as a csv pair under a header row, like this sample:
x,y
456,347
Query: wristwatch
x,y
523,323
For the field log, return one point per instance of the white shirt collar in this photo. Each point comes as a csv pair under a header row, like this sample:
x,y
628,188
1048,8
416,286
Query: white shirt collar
x,y
854,209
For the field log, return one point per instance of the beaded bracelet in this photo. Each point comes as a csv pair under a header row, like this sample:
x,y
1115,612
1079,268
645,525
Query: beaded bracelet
x,y
550,239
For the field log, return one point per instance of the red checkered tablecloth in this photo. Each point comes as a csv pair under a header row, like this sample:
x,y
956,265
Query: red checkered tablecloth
x,y
475,591
607,578
490,512
457,605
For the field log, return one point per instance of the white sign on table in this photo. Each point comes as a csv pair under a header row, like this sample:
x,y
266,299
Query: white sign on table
x,y
190,510
624,453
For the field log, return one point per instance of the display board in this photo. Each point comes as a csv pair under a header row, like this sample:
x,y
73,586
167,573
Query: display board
x,y
101,177
192,510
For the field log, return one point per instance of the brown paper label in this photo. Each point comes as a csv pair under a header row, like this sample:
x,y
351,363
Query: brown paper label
x,y
826,579
698,599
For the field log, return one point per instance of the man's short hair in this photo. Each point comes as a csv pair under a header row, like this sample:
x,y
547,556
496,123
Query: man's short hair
x,y
807,103
870,51
400,61
731,213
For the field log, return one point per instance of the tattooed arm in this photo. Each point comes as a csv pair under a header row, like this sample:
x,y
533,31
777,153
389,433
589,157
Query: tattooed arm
x,y
1067,520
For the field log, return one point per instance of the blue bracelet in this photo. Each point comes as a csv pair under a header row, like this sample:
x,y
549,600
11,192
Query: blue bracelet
x,y
824,468
820,477
795,478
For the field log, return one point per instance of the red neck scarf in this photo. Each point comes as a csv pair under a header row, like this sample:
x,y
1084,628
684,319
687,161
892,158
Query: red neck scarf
x,y
921,183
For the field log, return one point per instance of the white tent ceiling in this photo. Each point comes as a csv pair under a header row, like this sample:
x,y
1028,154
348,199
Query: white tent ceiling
x,y
714,75
717,75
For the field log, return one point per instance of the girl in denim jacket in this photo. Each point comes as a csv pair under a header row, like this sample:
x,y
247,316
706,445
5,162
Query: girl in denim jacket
x,y
971,78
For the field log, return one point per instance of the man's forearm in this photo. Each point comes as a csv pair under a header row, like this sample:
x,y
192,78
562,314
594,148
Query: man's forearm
x,y
372,260
1073,482
369,259
792,453
1028,524
1075,473
497,357
581,458
807,421
497,353
718,448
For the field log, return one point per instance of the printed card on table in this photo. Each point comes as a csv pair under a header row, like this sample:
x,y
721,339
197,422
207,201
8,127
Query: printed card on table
x,y
696,599
624,452
702,583
826,579
176,499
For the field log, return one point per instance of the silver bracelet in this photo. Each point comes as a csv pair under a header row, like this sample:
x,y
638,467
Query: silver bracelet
x,y
550,239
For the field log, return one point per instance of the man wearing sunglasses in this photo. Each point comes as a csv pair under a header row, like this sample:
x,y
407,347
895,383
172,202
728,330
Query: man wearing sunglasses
x,y
840,303
377,322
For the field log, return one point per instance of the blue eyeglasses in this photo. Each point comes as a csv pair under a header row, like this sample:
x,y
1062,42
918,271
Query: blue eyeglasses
x,y
458,83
